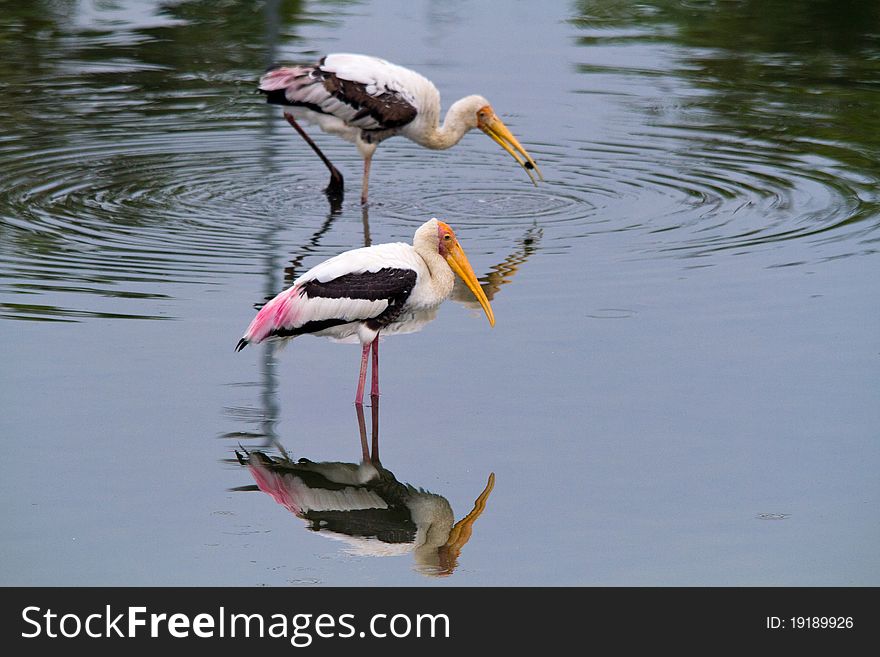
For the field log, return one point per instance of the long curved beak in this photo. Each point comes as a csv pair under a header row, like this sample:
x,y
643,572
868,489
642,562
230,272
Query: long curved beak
x,y
495,128
462,267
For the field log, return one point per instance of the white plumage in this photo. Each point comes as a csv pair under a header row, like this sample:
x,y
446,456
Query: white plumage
x,y
377,78
295,307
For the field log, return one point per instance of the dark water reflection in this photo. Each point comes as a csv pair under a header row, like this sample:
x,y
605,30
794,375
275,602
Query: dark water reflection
x,y
122,158
768,117
689,343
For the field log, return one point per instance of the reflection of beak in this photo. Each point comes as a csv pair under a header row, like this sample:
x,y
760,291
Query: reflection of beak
x,y
461,531
495,128
459,263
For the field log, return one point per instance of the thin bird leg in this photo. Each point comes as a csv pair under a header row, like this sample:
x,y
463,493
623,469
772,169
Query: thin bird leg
x,y
336,182
365,218
374,389
359,396
375,417
366,184
362,427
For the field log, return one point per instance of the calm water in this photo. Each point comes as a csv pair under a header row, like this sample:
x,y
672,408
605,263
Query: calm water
x,y
682,385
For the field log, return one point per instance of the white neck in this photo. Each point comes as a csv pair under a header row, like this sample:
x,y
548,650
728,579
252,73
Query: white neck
x,y
442,279
460,118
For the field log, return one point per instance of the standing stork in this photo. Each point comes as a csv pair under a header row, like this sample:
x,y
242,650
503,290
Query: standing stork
x,y
359,292
366,100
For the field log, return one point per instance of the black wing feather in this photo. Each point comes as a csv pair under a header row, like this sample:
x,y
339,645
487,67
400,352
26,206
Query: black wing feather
x,y
391,283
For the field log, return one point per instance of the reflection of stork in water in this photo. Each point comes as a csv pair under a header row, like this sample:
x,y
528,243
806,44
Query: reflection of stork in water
x,y
364,505
500,274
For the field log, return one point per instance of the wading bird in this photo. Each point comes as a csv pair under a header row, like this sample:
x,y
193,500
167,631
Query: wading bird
x,y
366,100
361,291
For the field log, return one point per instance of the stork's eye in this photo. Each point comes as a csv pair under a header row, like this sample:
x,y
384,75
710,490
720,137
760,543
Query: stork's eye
x,y
447,237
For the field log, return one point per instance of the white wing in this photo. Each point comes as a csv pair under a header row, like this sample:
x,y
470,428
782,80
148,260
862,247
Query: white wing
x,y
357,91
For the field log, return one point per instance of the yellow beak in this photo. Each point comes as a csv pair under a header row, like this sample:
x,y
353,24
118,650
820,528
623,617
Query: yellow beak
x,y
495,128
462,267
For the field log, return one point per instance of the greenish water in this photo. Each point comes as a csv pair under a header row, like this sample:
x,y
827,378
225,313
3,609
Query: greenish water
x,y
681,388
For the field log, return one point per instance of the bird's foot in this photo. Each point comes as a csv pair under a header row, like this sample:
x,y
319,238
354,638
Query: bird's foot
x,y
336,184
335,191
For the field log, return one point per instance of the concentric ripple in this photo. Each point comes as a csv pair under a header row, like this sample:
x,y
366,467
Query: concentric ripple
x,y
681,192
122,213
112,215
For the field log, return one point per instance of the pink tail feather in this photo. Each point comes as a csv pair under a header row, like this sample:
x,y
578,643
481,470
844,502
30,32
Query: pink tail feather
x,y
280,312
284,77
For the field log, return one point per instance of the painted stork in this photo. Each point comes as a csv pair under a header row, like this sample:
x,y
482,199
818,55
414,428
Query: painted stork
x,y
361,291
366,100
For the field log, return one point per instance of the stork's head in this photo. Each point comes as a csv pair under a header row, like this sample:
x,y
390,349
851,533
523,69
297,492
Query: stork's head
x,y
488,122
441,236
475,112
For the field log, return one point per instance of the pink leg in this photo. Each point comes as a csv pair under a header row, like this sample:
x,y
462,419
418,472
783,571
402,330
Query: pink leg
x,y
365,187
365,218
359,396
374,389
